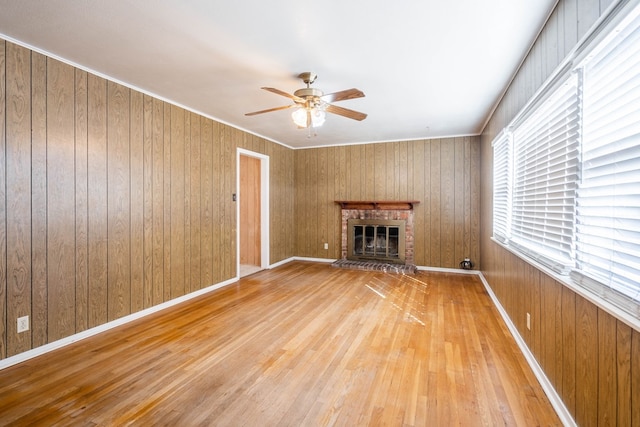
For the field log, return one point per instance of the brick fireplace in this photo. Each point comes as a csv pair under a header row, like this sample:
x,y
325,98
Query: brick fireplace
x,y
377,213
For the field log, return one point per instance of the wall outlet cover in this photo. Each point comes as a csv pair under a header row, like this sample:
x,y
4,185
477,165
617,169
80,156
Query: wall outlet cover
x,y
23,324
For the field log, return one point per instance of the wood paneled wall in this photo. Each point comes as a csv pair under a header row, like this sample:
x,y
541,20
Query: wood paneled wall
x,y
443,174
112,201
591,358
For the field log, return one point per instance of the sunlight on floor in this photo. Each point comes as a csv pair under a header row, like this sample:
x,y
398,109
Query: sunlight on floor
x,y
396,294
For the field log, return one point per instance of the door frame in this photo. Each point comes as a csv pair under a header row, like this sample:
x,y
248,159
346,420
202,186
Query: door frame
x,y
264,207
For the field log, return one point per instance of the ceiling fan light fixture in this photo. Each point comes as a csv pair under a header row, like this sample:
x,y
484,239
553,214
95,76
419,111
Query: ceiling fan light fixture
x,y
317,117
301,117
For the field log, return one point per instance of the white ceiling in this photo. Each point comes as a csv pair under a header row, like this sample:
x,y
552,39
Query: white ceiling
x,y
428,68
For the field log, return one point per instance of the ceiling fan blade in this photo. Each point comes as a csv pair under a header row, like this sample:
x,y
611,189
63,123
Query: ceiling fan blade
x,y
282,93
351,114
269,110
342,95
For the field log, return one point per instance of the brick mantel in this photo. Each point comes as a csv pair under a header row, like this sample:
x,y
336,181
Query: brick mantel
x,y
388,205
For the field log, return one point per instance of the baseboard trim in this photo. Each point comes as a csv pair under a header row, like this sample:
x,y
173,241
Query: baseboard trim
x,y
550,391
279,263
448,270
38,351
327,260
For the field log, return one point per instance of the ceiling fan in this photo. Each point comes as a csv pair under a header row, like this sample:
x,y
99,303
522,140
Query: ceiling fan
x,y
311,103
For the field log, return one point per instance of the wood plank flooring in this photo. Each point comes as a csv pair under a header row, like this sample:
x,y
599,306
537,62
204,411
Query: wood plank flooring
x,y
301,344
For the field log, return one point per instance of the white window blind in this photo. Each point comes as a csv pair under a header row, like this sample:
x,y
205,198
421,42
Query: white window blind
x,y
545,176
502,174
608,200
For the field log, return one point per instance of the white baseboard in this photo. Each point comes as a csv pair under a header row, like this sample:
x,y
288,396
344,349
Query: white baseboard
x,y
38,351
279,263
554,398
448,270
327,260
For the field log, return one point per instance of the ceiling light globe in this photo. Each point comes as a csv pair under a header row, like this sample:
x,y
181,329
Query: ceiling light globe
x,y
299,117
317,117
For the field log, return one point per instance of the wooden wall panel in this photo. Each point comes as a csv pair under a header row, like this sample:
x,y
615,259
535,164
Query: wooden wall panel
x,y
435,201
157,197
147,196
569,337
375,169
195,178
166,202
586,353
60,200
206,213
112,201
420,169
217,194
462,188
333,236
368,170
324,204
177,197
186,239
606,364
353,173
282,192
3,197
118,202
586,376
634,396
136,200
448,203
229,230
623,373
97,201
38,199
18,188
549,318
82,200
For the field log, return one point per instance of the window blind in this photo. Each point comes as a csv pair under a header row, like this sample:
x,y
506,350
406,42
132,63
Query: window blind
x,y
502,174
608,197
545,176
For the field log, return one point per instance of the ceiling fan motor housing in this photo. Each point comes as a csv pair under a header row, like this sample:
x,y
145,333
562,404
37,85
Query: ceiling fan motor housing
x,y
310,95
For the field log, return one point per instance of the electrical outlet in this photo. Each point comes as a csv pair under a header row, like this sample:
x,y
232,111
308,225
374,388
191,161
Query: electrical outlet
x,y
326,246
528,321
23,324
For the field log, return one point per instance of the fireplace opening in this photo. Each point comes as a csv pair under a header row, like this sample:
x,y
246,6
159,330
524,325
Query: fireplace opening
x,y
372,239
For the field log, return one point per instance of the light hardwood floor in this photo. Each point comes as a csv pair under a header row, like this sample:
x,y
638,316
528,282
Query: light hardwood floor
x,y
302,344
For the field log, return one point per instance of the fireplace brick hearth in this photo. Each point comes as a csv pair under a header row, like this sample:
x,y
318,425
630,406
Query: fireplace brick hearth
x,y
380,210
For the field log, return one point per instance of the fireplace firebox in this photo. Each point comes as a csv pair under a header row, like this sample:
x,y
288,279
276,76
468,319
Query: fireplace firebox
x,y
376,239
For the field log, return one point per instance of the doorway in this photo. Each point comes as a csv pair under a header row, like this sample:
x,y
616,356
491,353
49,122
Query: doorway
x,y
253,212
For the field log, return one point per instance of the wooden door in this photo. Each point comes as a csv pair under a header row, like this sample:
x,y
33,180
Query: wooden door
x,y
249,210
